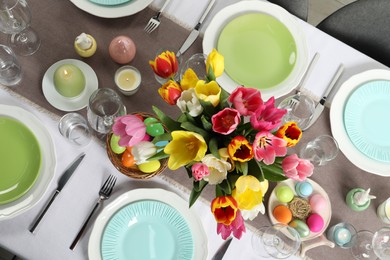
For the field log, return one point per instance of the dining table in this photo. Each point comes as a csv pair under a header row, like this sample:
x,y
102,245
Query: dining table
x,y
58,22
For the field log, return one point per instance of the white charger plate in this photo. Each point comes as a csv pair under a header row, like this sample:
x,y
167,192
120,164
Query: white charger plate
x,y
48,164
69,104
125,9
169,198
229,13
326,213
337,122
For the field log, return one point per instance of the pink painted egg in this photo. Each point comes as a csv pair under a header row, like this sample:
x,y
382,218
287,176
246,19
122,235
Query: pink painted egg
x,y
122,49
315,222
318,203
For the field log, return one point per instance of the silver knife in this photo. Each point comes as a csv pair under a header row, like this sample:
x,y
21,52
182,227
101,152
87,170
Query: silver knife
x,y
321,105
195,32
222,249
61,183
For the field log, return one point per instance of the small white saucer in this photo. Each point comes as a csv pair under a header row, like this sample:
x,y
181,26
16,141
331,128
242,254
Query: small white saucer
x,y
69,104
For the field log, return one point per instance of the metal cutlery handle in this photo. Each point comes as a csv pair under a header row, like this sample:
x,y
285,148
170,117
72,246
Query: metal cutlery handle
x,y
307,72
205,13
163,7
335,78
84,226
40,217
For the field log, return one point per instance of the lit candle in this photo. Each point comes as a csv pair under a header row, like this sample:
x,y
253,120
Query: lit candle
x,y
69,80
128,80
342,236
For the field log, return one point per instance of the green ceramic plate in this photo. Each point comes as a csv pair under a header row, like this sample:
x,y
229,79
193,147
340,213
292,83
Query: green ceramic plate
x,y
259,50
20,159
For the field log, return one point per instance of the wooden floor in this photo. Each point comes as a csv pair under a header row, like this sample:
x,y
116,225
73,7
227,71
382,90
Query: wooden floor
x,y
319,9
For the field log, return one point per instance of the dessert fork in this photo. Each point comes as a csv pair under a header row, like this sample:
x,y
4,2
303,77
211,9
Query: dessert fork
x,y
154,22
104,193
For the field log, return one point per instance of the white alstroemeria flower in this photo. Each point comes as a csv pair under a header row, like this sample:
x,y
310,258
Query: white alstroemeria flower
x,y
252,214
142,151
217,168
189,102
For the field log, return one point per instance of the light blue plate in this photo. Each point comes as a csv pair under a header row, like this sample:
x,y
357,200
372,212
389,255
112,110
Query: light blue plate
x,y
110,2
147,230
367,119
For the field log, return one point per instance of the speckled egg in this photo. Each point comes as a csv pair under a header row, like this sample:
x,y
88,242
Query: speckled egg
x,y
303,189
315,222
284,194
301,227
318,203
282,214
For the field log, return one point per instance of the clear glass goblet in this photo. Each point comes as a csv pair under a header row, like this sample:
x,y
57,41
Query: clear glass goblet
x,y
279,241
197,63
381,243
362,247
300,109
15,19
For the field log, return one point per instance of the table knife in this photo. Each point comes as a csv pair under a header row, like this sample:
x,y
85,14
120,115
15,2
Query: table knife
x,y
222,249
321,105
195,32
61,183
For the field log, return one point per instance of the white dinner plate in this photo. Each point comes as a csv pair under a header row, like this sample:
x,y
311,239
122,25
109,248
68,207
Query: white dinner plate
x,y
326,213
69,104
48,162
338,112
112,214
268,38
114,11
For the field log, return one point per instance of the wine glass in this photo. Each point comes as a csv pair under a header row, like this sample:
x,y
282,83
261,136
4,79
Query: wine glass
x,y
279,241
368,245
15,18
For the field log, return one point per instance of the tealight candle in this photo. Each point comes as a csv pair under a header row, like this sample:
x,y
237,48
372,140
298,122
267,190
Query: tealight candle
x,y
128,80
342,236
69,80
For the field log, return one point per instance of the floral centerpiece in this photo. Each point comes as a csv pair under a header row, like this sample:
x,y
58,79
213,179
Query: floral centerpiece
x,y
234,142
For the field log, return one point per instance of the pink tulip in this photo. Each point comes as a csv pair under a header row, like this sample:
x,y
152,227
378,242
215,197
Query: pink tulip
x,y
225,121
199,170
267,117
296,168
131,130
237,227
246,100
267,146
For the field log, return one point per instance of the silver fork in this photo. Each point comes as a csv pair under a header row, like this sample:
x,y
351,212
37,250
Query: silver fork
x,y
154,22
294,101
104,193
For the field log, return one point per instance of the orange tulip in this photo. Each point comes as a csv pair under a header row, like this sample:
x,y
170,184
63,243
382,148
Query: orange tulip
x,y
290,132
240,149
224,209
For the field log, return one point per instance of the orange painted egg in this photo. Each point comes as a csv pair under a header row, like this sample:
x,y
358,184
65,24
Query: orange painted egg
x,y
282,214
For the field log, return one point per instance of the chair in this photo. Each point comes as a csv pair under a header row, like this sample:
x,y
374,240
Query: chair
x,y
363,25
298,8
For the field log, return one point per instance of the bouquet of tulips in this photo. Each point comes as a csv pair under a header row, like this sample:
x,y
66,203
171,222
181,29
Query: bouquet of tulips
x,y
233,141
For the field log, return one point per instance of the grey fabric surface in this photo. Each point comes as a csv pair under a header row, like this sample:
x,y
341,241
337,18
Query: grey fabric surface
x,y
67,21
298,8
364,25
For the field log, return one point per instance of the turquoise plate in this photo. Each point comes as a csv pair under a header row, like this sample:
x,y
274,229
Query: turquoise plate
x,y
20,159
109,2
147,230
259,51
367,119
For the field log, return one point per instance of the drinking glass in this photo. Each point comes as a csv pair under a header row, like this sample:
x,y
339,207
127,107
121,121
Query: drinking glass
x,y
320,150
103,107
362,249
381,243
74,127
279,241
383,211
10,70
176,76
342,234
197,63
300,109
15,19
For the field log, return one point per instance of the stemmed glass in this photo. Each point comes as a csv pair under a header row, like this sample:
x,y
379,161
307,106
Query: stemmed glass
x,y
15,18
279,241
368,245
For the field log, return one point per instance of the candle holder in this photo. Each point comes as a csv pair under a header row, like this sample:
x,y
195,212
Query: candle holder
x,y
128,80
342,234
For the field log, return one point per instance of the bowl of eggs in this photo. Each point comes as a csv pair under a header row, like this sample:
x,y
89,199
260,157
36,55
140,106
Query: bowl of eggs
x,y
305,206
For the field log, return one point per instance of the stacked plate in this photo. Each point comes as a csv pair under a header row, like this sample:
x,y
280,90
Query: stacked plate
x,y
27,159
148,224
360,120
111,8
263,46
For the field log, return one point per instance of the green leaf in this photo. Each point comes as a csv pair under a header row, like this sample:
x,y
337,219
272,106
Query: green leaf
x,y
224,98
210,74
193,128
243,167
254,168
197,189
207,125
158,156
208,108
273,173
213,147
225,187
218,191
163,137
189,171
232,178
168,122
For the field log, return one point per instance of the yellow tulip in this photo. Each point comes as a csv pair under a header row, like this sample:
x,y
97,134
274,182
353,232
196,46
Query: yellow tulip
x,y
215,61
248,192
184,148
209,92
189,79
